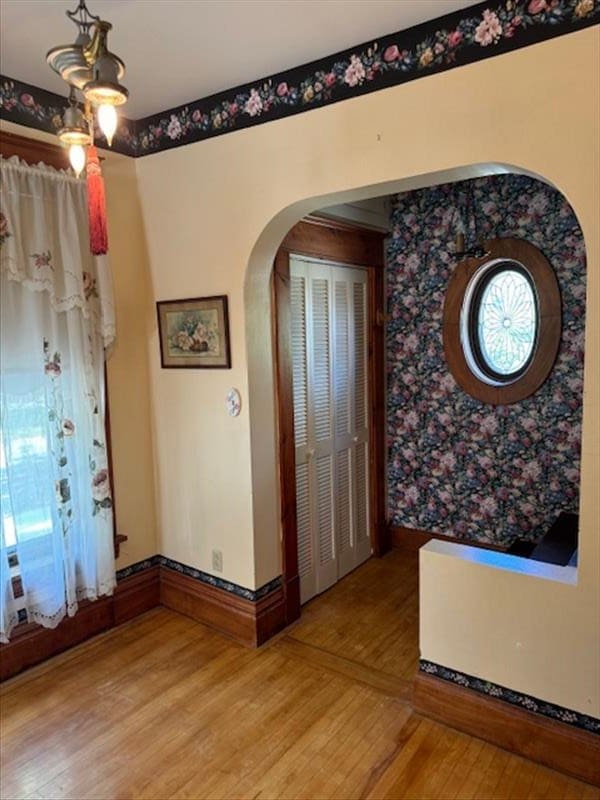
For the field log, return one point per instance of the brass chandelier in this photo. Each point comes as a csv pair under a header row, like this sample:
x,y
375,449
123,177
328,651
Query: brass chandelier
x,y
88,67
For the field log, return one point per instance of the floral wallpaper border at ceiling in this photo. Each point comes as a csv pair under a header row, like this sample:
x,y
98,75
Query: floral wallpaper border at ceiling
x,y
524,701
36,108
204,577
475,33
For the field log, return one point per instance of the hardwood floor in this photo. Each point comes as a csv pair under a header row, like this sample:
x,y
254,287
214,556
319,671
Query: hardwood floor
x,y
359,618
163,707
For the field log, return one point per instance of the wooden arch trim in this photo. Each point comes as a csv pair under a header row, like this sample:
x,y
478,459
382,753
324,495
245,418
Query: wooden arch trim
x,y
549,331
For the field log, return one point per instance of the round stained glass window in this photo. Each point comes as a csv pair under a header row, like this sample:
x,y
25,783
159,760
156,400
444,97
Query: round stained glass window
x,y
500,322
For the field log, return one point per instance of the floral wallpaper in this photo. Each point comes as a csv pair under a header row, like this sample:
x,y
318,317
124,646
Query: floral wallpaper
x,y
477,32
36,108
474,33
455,465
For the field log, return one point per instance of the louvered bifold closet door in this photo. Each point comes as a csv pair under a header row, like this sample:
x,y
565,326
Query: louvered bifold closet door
x,y
329,354
307,566
320,416
350,417
343,378
313,423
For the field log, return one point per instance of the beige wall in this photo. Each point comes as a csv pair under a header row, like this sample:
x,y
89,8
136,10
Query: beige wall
x,y
214,213
128,381
128,373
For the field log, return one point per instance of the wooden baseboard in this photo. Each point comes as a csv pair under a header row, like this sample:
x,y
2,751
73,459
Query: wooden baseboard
x,y
250,623
270,616
31,644
291,591
413,539
136,594
554,744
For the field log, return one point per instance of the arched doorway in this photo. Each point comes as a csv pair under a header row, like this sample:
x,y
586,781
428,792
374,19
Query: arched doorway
x,y
269,510
289,575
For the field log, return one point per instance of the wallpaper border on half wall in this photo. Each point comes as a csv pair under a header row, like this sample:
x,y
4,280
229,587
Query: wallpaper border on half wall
x,y
203,577
464,37
525,701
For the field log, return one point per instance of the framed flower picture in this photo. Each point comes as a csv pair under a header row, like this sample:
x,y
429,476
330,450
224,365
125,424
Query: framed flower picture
x,y
194,333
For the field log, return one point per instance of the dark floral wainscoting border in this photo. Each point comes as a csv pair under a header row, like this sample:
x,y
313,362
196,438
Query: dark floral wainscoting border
x,y
472,34
525,701
191,572
139,566
36,108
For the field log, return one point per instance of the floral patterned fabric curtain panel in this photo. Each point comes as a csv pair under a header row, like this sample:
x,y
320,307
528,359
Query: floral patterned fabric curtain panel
x,y
57,320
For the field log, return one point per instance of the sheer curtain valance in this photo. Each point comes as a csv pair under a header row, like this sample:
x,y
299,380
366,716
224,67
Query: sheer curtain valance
x,y
57,320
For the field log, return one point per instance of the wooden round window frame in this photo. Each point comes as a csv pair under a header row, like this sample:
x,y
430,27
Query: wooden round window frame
x,y
549,322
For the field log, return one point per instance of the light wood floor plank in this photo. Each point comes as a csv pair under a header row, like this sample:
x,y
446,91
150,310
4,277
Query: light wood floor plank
x,y
381,681
163,708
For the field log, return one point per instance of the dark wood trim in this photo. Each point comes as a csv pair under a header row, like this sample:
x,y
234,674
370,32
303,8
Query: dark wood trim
x,y
31,644
285,426
342,243
118,538
413,539
377,408
33,151
136,595
247,622
554,744
269,614
334,240
549,331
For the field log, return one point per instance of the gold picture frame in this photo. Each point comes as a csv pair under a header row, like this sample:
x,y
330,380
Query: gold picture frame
x,y
194,333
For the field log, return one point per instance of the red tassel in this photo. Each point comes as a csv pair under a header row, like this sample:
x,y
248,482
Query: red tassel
x,y
96,204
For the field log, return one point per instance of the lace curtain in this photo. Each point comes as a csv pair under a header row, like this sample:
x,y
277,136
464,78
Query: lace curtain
x,y
57,320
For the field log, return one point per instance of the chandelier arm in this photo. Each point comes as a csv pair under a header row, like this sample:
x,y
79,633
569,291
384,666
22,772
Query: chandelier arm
x,y
97,46
86,19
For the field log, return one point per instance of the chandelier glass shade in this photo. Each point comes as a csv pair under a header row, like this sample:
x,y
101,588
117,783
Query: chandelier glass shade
x,y
75,129
77,158
88,67
107,120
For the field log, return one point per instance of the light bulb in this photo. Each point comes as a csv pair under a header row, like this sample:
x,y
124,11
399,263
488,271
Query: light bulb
x,y
107,119
77,158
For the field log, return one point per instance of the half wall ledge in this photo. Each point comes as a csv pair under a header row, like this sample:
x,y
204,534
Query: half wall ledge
x,y
503,561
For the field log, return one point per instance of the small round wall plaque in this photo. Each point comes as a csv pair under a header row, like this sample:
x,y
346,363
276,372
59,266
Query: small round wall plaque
x,y
234,403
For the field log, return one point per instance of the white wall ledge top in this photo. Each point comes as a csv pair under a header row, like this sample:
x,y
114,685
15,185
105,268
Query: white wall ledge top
x,y
500,561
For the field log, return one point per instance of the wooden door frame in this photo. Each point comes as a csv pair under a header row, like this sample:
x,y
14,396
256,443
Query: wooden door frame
x,y
347,244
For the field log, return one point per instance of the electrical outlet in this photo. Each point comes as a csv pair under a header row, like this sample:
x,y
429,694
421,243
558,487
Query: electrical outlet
x,y
217,560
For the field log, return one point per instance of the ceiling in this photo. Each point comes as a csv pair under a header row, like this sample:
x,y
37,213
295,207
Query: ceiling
x,y
177,51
